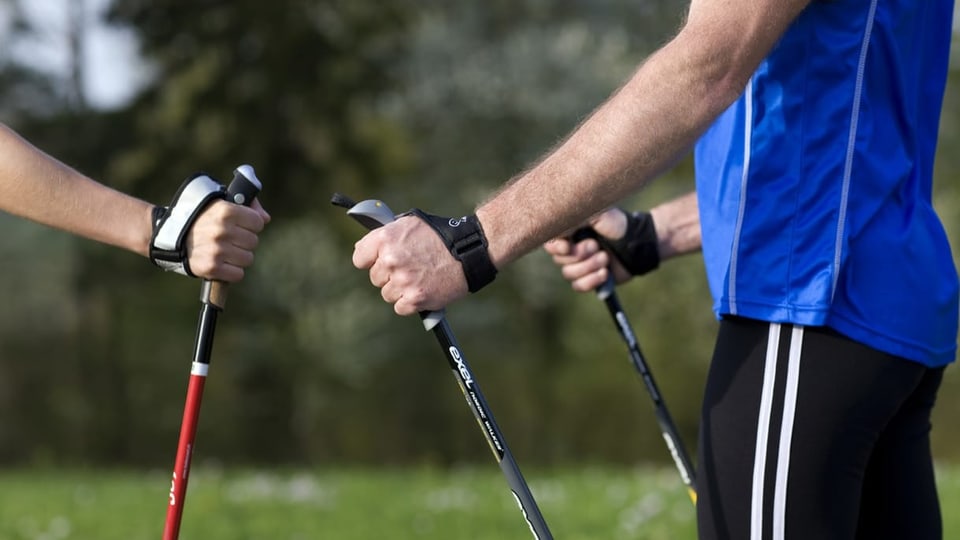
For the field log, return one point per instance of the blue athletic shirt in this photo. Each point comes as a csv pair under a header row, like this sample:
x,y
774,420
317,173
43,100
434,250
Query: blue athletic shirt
x,y
815,186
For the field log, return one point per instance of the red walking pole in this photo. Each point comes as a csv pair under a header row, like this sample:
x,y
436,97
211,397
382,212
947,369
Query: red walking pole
x,y
213,295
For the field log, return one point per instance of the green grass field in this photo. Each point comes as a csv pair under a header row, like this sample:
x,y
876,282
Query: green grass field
x,y
362,504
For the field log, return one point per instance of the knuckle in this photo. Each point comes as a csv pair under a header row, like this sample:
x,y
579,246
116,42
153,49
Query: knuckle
x,y
204,267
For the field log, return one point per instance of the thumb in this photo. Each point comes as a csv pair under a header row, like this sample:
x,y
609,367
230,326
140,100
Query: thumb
x,y
611,223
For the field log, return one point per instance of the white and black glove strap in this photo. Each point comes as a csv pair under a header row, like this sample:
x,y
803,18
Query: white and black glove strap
x,y
465,239
637,250
171,224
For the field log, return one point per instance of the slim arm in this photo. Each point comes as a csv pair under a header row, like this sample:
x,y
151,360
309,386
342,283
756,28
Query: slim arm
x,y
36,186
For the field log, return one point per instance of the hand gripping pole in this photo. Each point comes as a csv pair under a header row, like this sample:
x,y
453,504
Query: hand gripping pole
x,y
213,296
372,214
607,293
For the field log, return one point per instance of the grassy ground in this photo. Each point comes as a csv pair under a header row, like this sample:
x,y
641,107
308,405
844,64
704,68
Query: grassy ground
x,y
578,504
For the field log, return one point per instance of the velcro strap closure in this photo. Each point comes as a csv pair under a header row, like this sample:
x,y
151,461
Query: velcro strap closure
x,y
637,250
172,223
464,238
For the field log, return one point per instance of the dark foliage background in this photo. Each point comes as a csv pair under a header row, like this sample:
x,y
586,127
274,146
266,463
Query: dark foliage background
x,y
420,103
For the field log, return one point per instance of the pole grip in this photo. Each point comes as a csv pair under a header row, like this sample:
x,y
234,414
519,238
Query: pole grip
x,y
373,213
243,189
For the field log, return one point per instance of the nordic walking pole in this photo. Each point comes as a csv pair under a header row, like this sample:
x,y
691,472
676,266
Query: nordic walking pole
x,y
607,293
372,214
213,296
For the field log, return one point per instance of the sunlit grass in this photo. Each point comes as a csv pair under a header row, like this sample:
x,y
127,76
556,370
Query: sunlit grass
x,y
361,504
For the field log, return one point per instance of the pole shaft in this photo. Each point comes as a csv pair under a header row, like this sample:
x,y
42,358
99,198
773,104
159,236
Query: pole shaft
x,y
181,468
242,190
667,427
191,417
481,411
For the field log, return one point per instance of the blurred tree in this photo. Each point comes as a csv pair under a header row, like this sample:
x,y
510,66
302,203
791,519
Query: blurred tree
x,y
233,84
24,90
289,88
490,87
420,103
41,308
285,86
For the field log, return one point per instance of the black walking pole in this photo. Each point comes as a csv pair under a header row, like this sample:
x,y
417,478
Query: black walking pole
x,y
372,214
607,293
213,295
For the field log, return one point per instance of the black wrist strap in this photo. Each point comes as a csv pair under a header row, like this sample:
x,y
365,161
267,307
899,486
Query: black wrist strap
x,y
465,239
637,250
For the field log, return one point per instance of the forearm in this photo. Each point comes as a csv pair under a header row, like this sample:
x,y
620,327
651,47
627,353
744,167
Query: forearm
x,y
35,186
636,135
643,129
678,226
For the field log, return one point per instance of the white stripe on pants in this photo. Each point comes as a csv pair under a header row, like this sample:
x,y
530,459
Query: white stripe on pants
x,y
786,432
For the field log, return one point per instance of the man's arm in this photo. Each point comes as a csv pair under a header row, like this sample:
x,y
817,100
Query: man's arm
x,y
678,226
35,186
642,130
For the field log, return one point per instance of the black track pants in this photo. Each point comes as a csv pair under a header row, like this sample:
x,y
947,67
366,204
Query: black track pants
x,y
807,435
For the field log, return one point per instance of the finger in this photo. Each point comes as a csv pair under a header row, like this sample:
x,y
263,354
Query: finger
x,y
366,250
585,248
408,305
244,239
557,246
591,281
226,216
390,292
222,272
256,206
577,270
220,261
404,308
241,258
570,259
405,300
245,217
578,253
379,275
219,245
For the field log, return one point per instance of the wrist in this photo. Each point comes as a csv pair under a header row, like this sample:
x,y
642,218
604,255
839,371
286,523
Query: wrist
x,y
465,239
496,248
677,228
